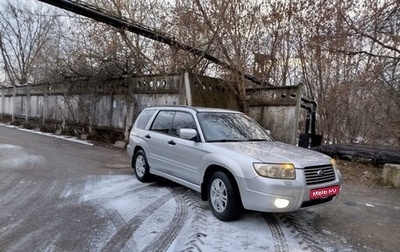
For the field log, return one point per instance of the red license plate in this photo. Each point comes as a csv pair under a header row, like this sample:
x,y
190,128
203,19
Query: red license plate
x,y
324,192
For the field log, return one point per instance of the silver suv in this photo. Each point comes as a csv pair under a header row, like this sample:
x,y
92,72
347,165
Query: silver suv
x,y
231,160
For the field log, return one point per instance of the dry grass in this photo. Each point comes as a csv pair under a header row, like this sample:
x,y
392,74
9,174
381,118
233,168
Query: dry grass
x,y
361,173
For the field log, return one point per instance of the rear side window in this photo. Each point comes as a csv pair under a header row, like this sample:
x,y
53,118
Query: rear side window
x,y
163,121
144,118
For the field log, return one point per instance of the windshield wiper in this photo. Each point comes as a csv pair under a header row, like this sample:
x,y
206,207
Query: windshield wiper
x,y
237,140
258,140
224,140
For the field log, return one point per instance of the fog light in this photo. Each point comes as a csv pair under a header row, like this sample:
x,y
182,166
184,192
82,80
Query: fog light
x,y
281,203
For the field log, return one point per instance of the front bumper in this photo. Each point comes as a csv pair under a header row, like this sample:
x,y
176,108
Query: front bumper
x,y
266,195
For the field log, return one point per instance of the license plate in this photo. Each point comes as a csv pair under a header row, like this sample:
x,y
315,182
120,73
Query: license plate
x,y
324,192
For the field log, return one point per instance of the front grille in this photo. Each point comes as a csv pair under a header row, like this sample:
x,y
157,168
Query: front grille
x,y
319,174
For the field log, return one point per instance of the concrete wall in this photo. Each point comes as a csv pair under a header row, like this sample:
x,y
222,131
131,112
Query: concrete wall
x,y
391,175
6,105
276,109
210,92
116,103
105,105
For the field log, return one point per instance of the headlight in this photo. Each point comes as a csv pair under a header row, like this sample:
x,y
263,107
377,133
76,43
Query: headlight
x,y
333,163
279,171
336,167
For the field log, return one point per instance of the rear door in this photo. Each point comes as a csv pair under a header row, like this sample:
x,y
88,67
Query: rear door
x,y
157,139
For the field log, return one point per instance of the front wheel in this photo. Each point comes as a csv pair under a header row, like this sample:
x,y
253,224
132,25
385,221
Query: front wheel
x,y
141,166
224,197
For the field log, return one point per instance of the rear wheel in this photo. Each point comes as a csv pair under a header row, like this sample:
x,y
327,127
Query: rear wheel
x,y
141,166
224,197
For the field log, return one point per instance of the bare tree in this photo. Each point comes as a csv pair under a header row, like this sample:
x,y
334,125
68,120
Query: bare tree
x,y
365,49
378,30
25,30
346,54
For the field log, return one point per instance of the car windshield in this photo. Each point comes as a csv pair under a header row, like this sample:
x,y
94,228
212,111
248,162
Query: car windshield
x,y
230,127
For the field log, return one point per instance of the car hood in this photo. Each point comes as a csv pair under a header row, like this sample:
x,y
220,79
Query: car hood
x,y
277,152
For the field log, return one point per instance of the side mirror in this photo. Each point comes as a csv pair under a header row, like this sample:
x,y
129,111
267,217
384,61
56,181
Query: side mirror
x,y
187,133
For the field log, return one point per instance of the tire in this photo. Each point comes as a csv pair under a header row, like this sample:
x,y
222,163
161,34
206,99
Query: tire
x,y
141,167
224,197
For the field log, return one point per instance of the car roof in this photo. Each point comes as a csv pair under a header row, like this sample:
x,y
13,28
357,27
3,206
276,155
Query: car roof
x,y
193,108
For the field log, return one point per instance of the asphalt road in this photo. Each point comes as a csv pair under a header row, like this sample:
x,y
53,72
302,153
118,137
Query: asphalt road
x,y
58,195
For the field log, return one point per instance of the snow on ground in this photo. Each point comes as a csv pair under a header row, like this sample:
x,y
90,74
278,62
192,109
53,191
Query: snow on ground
x,y
123,195
172,218
67,138
14,156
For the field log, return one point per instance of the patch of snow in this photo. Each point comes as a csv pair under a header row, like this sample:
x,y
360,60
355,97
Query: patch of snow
x,y
123,195
67,138
12,156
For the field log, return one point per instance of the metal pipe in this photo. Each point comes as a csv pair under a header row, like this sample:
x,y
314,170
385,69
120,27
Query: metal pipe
x,y
144,31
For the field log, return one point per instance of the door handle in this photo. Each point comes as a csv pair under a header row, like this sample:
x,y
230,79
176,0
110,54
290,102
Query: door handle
x,y
147,136
172,142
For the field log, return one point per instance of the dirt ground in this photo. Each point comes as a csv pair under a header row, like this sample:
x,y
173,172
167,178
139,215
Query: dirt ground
x,y
367,213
